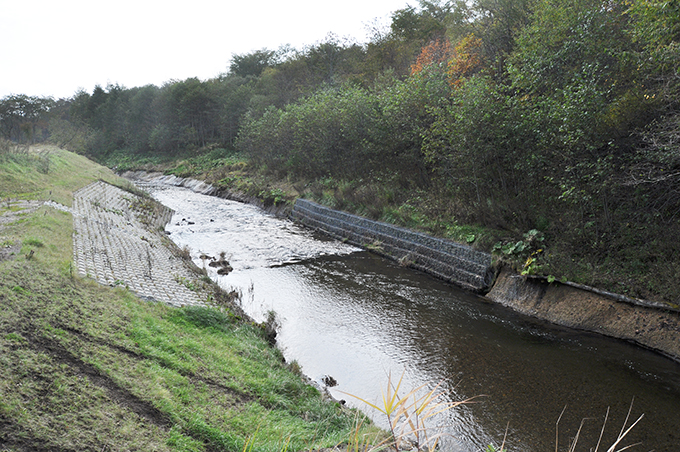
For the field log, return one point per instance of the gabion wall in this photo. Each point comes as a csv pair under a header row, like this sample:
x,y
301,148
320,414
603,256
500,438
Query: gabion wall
x,y
452,262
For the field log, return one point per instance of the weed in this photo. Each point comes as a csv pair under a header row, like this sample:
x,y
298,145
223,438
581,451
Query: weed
x,y
183,253
186,283
295,367
15,337
43,161
408,416
271,324
20,290
207,317
375,246
527,255
34,242
625,429
274,196
360,441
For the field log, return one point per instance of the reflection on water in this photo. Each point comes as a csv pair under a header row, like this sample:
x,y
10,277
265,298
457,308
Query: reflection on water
x,y
356,317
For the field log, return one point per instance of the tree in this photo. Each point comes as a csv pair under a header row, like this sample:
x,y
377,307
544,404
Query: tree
x,y
467,60
497,23
21,115
434,53
424,24
141,117
252,64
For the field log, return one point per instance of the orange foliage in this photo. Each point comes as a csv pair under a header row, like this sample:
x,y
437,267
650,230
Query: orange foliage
x,y
466,61
437,51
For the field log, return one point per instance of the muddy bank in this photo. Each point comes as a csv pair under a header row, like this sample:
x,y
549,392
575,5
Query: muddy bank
x,y
649,326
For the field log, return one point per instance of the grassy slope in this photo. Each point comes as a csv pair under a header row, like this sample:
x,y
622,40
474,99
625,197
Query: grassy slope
x,y
87,367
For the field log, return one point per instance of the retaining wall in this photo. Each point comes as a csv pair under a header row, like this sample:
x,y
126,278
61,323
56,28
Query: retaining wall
x,y
452,262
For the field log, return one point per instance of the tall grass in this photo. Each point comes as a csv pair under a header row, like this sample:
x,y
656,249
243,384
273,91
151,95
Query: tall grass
x,y
625,429
409,422
409,416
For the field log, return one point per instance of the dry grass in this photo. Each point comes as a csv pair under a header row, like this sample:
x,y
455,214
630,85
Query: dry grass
x,y
625,429
409,416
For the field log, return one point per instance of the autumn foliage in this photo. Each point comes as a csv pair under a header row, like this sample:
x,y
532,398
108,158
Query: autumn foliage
x,y
466,60
462,61
436,52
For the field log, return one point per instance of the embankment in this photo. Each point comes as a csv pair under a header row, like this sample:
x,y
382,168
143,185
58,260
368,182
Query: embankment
x,y
646,324
649,325
117,242
457,264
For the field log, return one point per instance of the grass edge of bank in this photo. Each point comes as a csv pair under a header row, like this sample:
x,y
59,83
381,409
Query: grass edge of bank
x,y
87,366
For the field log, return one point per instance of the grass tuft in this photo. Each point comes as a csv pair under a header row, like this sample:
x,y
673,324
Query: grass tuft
x,y
409,416
207,317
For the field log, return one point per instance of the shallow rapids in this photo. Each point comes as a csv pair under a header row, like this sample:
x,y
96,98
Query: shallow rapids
x,y
358,318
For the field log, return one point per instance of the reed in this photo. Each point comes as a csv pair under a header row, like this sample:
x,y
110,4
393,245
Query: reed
x,y
409,416
409,421
625,429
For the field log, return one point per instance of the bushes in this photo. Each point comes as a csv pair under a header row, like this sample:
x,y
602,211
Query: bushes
x,y
327,133
349,131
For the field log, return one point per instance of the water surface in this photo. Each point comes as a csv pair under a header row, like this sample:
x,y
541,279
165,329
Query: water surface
x,y
359,318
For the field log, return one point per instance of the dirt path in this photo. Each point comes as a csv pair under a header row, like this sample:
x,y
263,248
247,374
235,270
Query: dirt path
x,y
112,244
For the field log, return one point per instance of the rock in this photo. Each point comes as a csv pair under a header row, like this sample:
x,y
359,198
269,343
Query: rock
x,y
329,381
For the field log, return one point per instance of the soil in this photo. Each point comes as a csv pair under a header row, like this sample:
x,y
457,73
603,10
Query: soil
x,y
579,308
9,251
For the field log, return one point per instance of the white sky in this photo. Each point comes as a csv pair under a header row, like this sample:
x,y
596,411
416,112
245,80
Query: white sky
x,y
55,47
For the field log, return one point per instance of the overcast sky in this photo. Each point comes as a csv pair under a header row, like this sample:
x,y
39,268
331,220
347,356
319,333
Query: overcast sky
x,y
55,47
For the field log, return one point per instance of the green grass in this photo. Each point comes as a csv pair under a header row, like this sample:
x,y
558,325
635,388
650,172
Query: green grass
x,y
20,175
89,367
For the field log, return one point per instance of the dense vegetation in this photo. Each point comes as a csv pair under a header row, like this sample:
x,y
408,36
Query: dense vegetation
x,y
500,117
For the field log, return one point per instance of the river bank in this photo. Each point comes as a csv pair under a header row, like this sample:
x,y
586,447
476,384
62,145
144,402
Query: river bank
x,y
650,325
88,366
357,317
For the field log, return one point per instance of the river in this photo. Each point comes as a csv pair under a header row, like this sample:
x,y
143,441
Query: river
x,y
349,314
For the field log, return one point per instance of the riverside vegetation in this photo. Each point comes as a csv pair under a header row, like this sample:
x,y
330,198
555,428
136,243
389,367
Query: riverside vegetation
x,y
544,130
547,128
89,367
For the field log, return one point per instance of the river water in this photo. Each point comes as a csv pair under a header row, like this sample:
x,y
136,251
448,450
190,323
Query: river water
x,y
356,317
